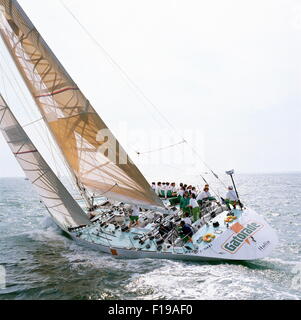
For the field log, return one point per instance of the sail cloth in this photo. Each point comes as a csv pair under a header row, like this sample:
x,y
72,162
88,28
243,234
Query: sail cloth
x,y
60,204
97,159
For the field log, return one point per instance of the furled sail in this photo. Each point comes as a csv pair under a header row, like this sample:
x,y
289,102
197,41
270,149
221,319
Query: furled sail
x,y
94,155
60,204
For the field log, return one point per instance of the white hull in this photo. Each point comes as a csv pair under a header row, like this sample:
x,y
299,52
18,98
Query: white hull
x,y
255,243
139,254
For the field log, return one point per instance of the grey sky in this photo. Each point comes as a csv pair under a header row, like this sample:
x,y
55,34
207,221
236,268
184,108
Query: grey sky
x,y
230,69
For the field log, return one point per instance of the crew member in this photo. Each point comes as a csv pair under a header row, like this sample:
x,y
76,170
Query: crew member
x,y
158,190
184,203
204,195
195,208
134,217
231,197
187,219
154,186
185,232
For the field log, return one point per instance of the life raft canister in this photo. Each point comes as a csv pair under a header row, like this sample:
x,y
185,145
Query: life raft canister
x,y
208,237
230,219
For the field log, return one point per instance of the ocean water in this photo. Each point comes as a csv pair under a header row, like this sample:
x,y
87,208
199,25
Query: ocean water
x,y
42,263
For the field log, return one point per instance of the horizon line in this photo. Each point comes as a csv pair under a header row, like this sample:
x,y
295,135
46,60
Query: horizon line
x,y
238,173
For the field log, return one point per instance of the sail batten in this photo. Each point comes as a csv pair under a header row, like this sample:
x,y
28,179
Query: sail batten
x,y
93,154
58,201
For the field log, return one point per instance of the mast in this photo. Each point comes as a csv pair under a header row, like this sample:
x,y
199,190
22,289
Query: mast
x,y
81,189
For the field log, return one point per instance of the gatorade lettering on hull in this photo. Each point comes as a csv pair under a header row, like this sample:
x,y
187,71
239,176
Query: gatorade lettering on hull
x,y
236,241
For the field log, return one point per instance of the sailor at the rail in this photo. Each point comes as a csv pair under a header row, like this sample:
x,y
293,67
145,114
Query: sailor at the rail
x,y
162,190
205,195
231,197
174,190
168,190
154,186
193,190
158,189
181,191
177,195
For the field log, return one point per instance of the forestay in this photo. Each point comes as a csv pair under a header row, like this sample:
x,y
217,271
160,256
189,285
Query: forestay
x,y
60,204
94,155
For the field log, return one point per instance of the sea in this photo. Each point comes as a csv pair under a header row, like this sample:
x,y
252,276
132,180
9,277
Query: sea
x,y
37,261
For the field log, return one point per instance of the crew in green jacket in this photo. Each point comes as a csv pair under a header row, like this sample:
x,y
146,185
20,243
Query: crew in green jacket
x,y
184,203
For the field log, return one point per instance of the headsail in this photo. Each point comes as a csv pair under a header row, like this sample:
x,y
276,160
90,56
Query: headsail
x,y
91,150
60,204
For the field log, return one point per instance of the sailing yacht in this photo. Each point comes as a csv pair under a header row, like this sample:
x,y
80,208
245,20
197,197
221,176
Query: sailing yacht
x,y
100,167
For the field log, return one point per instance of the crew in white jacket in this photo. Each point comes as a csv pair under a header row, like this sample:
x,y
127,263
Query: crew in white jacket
x,y
231,198
204,194
231,194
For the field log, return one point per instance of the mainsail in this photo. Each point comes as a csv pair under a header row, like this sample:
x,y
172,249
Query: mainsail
x,y
58,201
93,154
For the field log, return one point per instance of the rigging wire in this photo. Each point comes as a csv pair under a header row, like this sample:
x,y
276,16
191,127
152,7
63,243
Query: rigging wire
x,y
137,88
49,143
52,153
110,59
31,123
104,193
160,149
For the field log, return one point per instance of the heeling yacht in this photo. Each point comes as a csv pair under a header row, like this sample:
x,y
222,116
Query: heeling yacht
x,y
100,166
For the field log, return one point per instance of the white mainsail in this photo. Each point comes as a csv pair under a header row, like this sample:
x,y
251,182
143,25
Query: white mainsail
x,y
93,154
60,204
